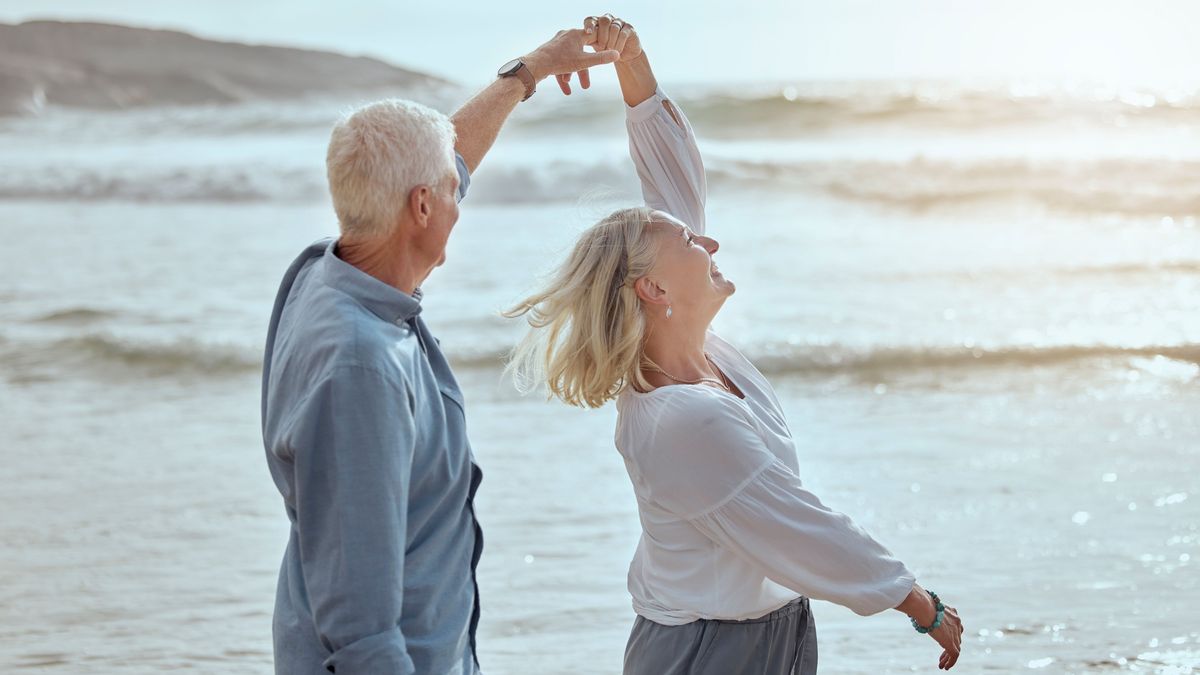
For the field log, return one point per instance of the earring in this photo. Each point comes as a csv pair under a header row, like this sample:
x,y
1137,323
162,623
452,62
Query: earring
x,y
668,311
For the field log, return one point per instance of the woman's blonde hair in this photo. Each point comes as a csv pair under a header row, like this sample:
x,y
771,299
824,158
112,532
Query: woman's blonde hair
x,y
586,326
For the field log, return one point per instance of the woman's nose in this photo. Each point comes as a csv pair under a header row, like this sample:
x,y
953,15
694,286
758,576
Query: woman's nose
x,y
711,245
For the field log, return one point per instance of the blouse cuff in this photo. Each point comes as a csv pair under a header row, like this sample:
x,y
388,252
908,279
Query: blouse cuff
x,y
646,109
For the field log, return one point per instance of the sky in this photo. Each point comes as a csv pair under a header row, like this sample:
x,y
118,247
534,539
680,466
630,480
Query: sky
x,y
1147,42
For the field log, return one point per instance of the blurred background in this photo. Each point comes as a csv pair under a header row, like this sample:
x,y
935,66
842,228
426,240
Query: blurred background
x,y
964,237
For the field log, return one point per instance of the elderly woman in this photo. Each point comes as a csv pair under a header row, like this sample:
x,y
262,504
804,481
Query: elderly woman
x,y
733,545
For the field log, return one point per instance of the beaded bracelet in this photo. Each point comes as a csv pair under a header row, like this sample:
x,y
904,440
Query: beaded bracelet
x,y
937,619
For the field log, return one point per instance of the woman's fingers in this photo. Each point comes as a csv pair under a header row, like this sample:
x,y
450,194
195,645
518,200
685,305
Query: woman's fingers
x,y
585,78
602,24
949,637
564,82
952,631
607,30
622,38
948,658
614,33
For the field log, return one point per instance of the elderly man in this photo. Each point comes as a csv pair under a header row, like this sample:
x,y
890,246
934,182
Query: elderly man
x,y
363,421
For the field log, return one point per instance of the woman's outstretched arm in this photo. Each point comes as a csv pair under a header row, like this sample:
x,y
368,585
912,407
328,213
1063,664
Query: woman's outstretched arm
x,y
661,141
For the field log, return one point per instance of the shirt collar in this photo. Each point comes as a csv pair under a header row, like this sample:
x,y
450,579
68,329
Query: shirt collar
x,y
388,303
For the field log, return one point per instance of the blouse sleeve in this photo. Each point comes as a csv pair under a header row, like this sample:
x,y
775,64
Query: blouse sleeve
x,y
711,468
667,160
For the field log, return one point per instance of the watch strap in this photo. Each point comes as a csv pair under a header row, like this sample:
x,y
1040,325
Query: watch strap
x,y
522,73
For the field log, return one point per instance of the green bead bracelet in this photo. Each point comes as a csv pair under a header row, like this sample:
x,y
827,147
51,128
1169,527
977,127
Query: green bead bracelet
x,y
937,619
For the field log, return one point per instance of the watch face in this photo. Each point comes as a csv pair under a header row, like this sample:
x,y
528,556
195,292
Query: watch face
x,y
510,67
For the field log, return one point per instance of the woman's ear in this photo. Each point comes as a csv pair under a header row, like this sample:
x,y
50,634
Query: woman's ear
x,y
649,291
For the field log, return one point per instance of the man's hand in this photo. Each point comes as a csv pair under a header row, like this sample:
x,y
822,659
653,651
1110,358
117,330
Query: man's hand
x,y
564,54
605,33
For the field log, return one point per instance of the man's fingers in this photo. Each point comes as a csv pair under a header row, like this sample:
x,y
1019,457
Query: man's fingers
x,y
585,78
589,25
577,34
564,83
600,58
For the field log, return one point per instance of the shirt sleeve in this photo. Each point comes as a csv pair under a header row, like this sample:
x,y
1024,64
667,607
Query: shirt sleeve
x,y
464,176
711,468
667,160
353,448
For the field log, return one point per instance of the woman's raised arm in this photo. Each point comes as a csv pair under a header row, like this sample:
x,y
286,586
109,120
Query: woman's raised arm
x,y
661,141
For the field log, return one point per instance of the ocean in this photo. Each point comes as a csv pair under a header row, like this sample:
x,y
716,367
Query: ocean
x,y
978,302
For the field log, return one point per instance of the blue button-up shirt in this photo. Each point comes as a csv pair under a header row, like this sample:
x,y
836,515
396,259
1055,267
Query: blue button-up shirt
x,y
366,440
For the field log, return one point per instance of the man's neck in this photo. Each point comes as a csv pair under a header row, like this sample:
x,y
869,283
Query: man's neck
x,y
385,260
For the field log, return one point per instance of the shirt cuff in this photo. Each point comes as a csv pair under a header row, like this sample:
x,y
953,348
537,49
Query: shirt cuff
x,y
646,109
887,596
384,652
464,176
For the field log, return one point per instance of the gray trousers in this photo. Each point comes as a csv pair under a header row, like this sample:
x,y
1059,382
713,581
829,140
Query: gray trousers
x,y
783,642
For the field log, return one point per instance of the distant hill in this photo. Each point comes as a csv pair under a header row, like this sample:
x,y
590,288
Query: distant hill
x,y
104,66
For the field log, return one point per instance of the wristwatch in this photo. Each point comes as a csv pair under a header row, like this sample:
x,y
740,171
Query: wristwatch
x,y
517,68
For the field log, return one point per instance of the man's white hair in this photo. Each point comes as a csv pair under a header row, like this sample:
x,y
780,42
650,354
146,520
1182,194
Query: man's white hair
x,y
378,154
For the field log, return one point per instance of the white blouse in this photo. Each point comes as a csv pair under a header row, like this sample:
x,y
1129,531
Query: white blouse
x,y
728,529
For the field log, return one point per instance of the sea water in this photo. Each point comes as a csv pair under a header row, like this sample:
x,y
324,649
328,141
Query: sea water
x,y
978,304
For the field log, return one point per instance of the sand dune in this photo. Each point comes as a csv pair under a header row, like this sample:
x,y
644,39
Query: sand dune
x,y
94,65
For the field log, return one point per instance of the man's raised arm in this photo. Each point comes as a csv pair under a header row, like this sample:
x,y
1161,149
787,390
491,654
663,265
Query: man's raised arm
x,y
478,121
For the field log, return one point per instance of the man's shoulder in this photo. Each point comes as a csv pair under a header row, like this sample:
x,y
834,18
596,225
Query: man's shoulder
x,y
322,330
333,328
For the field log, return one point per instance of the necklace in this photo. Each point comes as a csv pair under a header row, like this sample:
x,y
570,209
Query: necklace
x,y
704,380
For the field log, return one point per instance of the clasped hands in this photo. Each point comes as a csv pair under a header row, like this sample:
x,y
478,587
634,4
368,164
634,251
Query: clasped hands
x,y
611,40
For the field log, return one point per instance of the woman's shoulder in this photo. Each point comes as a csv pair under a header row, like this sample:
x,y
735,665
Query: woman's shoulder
x,y
672,401
677,416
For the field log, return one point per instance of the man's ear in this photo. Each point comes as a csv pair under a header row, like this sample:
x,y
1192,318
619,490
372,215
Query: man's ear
x,y
649,291
419,204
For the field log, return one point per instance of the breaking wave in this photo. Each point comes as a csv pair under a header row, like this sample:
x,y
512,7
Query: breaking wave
x,y
845,360
111,356
75,315
1127,187
118,357
836,359
178,184
1106,186
808,109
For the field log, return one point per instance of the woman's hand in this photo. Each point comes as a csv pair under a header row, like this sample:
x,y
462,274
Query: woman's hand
x,y
919,606
614,33
605,33
949,637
